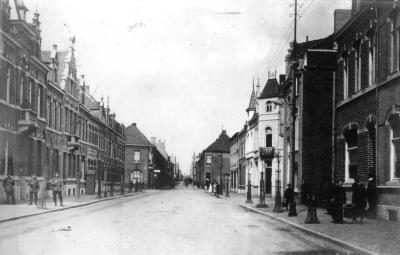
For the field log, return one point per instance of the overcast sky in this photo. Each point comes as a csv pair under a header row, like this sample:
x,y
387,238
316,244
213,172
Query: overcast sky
x,y
180,69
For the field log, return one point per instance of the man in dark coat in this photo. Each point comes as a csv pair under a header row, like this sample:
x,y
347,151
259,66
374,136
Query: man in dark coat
x,y
33,189
359,200
288,196
338,199
130,185
8,185
372,197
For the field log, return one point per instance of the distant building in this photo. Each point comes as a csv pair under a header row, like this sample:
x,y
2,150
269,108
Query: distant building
x,y
138,157
215,161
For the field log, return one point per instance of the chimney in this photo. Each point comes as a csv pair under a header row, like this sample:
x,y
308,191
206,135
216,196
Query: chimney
x,y
306,38
340,18
153,140
55,47
133,124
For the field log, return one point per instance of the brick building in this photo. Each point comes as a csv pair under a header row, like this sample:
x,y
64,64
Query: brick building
x,y
313,88
23,86
367,96
138,157
215,161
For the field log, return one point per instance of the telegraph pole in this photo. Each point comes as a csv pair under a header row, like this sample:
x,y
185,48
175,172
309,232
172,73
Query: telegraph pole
x,y
292,210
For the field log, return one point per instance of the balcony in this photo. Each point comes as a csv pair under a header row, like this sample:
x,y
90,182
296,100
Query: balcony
x,y
267,153
72,142
27,121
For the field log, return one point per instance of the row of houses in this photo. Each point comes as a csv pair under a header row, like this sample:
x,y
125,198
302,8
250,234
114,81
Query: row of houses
x,y
49,122
340,100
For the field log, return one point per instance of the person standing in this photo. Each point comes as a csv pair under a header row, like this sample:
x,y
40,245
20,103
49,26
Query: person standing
x,y
371,196
288,196
57,189
130,185
338,199
33,189
358,200
8,185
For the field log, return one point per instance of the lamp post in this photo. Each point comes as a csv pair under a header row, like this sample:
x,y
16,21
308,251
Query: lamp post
x,y
278,201
261,203
248,200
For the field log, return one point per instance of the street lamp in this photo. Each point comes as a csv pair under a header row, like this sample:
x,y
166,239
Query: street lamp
x,y
278,201
292,204
261,203
248,200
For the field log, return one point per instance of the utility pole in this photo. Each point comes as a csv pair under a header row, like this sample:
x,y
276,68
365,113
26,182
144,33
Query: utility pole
x,y
292,211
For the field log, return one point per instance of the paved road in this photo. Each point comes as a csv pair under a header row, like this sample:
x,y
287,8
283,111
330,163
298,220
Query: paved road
x,y
181,221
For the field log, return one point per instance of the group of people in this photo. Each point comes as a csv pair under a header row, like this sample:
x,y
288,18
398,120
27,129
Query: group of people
x,y
214,187
56,185
361,198
139,186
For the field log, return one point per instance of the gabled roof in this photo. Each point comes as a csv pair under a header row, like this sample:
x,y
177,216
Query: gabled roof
x,y
62,64
222,144
135,136
271,89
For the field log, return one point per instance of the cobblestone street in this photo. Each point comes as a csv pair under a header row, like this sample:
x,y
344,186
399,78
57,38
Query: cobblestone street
x,y
180,221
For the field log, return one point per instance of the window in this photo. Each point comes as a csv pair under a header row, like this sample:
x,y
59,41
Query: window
x,y
268,137
395,148
351,157
136,157
371,62
268,107
8,87
345,76
394,42
21,91
208,160
357,67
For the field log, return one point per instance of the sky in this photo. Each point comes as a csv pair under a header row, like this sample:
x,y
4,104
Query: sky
x,y
181,70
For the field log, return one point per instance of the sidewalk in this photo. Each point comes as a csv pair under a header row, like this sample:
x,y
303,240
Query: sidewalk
x,y
372,237
23,210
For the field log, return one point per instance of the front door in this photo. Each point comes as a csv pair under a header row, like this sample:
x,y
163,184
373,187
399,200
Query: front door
x,y
90,184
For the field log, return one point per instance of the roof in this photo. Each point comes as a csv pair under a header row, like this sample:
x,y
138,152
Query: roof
x,y
253,101
135,136
301,48
62,64
222,144
271,89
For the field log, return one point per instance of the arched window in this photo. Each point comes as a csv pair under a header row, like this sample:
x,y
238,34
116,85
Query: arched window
x,y
394,41
268,137
351,152
371,59
268,107
394,121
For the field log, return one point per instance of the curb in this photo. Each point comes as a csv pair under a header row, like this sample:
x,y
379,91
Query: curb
x,y
341,243
70,207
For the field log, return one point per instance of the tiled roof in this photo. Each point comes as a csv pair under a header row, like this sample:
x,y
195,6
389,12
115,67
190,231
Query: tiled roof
x,y
135,136
222,144
62,64
271,89
302,47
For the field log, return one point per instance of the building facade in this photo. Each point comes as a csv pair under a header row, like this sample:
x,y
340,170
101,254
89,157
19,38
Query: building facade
x,y
23,86
366,101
